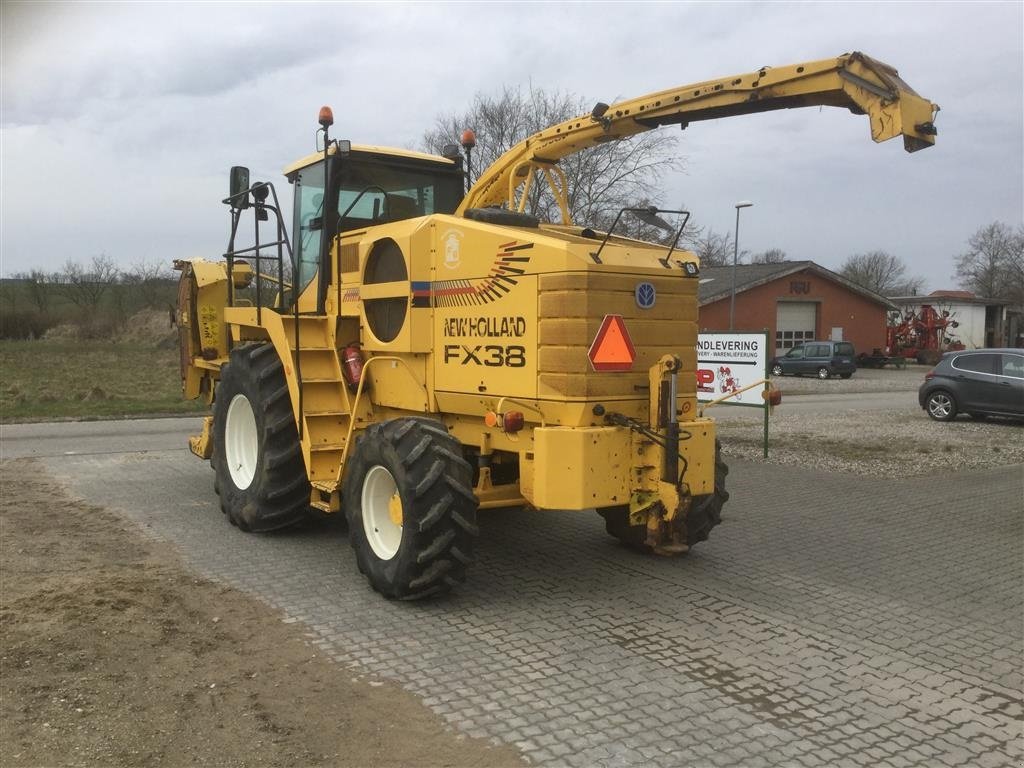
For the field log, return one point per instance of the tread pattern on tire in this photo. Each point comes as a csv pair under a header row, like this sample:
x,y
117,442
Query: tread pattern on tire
x,y
706,511
278,496
439,507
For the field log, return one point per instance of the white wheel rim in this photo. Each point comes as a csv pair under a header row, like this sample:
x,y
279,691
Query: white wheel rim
x,y
380,501
241,444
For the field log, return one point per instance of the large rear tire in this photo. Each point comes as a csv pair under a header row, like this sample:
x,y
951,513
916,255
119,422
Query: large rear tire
x,y
257,460
408,498
705,513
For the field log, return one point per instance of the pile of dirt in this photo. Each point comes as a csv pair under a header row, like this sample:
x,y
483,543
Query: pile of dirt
x,y
113,654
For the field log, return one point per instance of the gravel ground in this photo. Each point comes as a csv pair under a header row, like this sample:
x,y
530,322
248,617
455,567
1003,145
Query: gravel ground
x,y
864,380
875,443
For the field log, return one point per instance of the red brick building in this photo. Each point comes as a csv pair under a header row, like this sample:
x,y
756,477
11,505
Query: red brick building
x,y
794,301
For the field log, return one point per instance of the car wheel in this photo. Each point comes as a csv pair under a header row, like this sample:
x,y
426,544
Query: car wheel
x,y
824,373
941,406
776,370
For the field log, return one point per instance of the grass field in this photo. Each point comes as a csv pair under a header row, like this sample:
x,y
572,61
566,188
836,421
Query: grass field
x,y
41,380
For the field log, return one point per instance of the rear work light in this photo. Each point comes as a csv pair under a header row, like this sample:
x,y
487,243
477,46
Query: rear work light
x,y
509,423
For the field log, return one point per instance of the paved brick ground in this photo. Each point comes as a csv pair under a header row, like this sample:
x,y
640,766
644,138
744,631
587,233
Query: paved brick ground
x,y
829,621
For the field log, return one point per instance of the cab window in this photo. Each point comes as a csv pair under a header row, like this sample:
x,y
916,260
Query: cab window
x,y
378,191
309,212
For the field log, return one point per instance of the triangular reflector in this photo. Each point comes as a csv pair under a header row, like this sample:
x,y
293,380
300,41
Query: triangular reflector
x,y
612,349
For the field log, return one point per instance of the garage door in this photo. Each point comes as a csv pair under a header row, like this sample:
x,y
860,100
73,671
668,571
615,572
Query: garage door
x,y
794,323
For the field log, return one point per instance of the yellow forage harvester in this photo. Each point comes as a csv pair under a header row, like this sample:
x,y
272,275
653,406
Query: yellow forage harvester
x,y
415,351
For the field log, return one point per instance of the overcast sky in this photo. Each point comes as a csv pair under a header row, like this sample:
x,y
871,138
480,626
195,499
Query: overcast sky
x,y
120,121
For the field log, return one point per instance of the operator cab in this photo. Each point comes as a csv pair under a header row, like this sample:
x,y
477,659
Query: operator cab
x,y
368,186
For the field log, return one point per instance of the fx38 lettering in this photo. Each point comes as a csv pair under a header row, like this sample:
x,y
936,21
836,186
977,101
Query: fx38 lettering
x,y
491,355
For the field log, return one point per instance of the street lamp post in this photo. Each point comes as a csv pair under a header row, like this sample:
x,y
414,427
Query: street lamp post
x,y
735,258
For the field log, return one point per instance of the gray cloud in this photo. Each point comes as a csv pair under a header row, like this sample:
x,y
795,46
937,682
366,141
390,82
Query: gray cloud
x,y
120,121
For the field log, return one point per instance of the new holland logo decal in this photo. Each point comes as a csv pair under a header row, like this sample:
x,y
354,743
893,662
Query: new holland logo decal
x,y
645,295
509,263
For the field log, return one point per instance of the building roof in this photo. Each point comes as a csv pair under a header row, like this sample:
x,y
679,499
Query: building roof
x,y
948,297
953,294
716,282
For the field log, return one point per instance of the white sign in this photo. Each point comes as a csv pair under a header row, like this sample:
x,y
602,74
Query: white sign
x,y
728,362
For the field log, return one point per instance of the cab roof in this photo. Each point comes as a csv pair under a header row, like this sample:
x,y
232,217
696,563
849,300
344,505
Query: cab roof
x,y
370,149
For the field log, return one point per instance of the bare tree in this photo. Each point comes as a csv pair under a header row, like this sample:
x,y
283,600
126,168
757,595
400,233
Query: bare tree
x,y
39,287
993,265
771,256
601,180
84,286
880,272
149,280
713,249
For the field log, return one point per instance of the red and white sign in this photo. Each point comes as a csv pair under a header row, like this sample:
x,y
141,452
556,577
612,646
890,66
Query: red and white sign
x,y
728,362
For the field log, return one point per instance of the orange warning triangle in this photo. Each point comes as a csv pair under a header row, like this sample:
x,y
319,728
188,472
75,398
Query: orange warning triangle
x,y
612,349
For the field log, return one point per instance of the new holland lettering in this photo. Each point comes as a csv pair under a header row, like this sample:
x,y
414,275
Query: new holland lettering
x,y
485,327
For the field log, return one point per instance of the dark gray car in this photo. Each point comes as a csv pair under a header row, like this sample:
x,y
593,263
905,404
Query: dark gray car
x,y
979,382
816,358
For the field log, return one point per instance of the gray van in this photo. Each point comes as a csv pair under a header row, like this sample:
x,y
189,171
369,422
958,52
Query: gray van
x,y
817,358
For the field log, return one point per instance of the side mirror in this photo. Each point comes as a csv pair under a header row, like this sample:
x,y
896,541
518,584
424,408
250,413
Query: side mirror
x,y
239,186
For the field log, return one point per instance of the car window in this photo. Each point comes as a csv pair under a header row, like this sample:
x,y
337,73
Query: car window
x,y
981,363
795,353
844,348
1013,365
816,350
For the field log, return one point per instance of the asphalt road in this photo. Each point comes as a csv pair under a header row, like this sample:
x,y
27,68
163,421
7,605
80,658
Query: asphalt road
x,y
88,438
82,438
833,620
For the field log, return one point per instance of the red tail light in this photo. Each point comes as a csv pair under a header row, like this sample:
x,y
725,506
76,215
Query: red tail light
x,y
512,422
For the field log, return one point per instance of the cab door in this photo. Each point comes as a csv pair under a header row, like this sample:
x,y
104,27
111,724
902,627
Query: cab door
x,y
307,229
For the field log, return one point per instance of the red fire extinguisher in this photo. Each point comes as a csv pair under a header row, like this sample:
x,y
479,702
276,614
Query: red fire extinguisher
x,y
352,365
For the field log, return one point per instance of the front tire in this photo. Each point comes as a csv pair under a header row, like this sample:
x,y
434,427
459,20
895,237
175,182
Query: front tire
x,y
408,498
941,405
257,460
776,370
824,373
